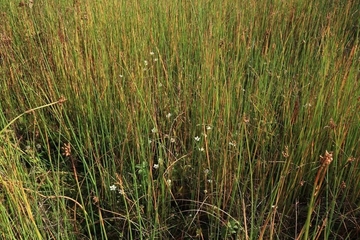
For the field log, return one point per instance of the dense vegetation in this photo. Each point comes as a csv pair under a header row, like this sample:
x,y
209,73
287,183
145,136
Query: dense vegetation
x,y
179,119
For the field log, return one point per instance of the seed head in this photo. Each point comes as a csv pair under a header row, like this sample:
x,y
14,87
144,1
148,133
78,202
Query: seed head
x,y
326,159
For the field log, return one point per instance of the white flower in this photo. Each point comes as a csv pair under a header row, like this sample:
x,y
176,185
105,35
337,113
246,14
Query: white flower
x,y
155,59
152,53
112,187
154,130
208,127
201,149
232,144
197,138
146,63
156,166
121,76
172,140
209,181
168,115
122,192
206,171
168,182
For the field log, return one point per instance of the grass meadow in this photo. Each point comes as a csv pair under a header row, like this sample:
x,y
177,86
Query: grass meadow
x,y
179,119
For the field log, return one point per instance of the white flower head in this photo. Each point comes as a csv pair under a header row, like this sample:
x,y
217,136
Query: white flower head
x,y
146,63
197,138
208,127
154,130
112,187
168,115
201,149
156,166
172,140
152,53
168,182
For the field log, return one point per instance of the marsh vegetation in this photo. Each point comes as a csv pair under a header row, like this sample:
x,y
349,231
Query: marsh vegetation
x,y
179,119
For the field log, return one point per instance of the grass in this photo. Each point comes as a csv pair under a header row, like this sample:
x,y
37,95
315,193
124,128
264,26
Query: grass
x,y
188,120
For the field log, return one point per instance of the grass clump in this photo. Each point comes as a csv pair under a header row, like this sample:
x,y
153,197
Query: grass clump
x,y
194,120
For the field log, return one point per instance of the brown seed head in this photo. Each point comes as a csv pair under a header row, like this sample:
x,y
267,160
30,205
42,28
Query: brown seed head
x,y
326,159
332,124
246,119
66,149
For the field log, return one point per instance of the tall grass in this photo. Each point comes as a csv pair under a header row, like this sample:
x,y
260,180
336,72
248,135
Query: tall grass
x,y
179,120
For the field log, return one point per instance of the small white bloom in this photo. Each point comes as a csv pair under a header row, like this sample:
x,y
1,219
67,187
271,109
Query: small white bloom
x,y
121,76
150,141
154,130
172,140
152,53
201,149
197,138
205,191
112,187
146,63
232,144
156,166
206,171
155,59
209,181
122,192
168,115
208,127
168,182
